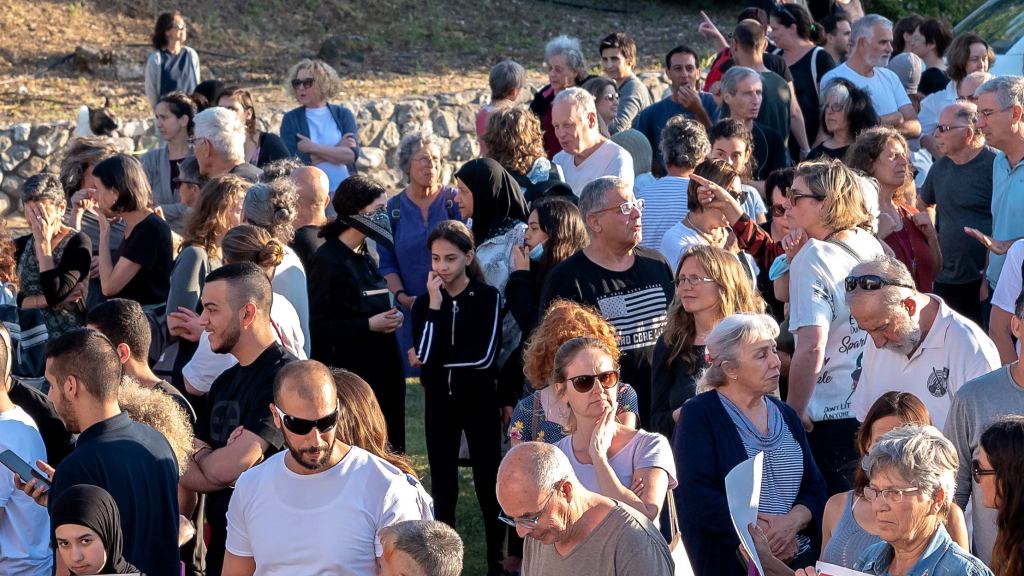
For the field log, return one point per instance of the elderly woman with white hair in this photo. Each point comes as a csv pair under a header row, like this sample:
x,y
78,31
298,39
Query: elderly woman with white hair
x,y
736,418
566,67
912,474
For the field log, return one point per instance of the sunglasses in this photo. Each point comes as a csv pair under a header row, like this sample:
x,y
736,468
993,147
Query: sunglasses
x,y
977,471
778,210
871,282
306,83
302,426
943,128
585,382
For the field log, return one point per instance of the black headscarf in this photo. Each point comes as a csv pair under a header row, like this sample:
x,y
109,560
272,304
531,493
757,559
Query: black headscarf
x,y
498,202
94,508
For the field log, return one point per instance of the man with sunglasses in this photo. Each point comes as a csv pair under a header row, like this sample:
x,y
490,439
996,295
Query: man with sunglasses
x,y
958,193
235,429
976,406
341,495
568,529
916,343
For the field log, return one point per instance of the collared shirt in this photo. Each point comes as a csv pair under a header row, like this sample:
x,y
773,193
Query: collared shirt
x,y
954,351
1007,208
942,557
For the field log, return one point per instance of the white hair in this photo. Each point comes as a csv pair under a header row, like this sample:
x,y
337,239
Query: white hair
x,y
725,342
1009,90
582,101
547,465
225,132
732,78
865,27
921,455
570,48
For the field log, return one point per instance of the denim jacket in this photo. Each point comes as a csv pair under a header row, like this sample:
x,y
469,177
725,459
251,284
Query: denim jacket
x,y
943,557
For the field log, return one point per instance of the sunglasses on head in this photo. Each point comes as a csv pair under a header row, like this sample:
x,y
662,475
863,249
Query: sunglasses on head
x,y
302,426
306,83
585,382
871,282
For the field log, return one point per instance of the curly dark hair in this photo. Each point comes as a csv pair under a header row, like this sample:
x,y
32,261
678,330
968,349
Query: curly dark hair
x,y
164,22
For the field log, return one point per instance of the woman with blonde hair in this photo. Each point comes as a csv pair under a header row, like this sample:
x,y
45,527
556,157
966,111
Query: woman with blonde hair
x,y
710,285
321,134
543,415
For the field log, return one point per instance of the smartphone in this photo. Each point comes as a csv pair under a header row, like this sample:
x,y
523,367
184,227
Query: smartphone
x,y
13,462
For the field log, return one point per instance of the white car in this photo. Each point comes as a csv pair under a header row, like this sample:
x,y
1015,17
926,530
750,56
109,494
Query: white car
x,y
1001,24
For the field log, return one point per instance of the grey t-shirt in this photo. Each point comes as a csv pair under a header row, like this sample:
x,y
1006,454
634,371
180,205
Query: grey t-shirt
x,y
978,404
962,195
625,543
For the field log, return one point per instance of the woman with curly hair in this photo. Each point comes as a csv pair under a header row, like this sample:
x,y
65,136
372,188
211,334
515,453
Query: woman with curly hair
x,y
8,266
710,285
321,134
514,140
172,65
261,148
999,470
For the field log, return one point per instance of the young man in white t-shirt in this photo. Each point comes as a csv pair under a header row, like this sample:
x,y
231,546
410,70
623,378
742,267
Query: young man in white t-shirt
x,y
916,342
871,42
586,155
24,525
338,496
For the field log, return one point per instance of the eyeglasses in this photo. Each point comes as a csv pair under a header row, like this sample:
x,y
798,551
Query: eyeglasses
x,y
306,83
778,210
693,280
585,382
612,96
626,208
987,113
836,107
943,128
977,471
872,282
302,426
889,495
530,522
795,195
192,141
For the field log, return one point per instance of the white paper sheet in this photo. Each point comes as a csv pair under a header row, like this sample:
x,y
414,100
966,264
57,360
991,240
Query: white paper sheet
x,y
743,492
826,569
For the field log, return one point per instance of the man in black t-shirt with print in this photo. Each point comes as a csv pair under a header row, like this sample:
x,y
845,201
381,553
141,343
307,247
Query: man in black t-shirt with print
x,y
631,286
236,314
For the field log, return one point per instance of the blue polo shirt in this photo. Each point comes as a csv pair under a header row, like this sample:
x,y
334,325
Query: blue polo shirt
x,y
1007,208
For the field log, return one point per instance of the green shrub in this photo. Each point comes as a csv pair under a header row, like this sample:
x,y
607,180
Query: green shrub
x,y
951,10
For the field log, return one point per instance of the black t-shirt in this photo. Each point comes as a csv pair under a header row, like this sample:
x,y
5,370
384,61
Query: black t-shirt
x,y
241,396
769,151
149,245
634,301
807,73
821,151
136,465
305,244
932,80
773,62
56,438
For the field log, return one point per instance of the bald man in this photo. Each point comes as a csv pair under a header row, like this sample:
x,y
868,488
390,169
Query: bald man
x,y
314,201
340,495
549,508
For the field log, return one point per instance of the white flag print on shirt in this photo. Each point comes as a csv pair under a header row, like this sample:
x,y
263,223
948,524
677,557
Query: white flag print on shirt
x,y
638,315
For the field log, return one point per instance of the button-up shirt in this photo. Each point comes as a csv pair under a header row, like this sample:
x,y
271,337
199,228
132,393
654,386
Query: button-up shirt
x,y
943,557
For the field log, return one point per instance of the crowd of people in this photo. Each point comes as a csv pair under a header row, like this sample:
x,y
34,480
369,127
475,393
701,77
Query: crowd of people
x,y
798,252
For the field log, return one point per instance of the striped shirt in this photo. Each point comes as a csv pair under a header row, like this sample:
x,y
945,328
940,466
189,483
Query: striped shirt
x,y
665,204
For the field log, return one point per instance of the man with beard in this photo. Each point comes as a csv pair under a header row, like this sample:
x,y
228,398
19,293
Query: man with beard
x,y
236,315
131,461
918,344
871,47
340,494
568,529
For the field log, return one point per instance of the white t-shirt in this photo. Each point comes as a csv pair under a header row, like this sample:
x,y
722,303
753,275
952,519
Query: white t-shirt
x,y
933,105
884,87
954,352
817,297
644,450
290,282
324,523
609,159
324,130
24,525
206,365
680,237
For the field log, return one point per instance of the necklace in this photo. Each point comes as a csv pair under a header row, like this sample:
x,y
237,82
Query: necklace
x,y
709,237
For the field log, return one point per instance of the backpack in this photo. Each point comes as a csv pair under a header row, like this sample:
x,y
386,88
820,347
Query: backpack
x,y
396,213
28,343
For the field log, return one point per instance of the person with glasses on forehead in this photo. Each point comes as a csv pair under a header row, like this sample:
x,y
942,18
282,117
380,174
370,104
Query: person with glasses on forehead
x,y
977,405
321,134
734,419
237,318
172,66
631,466
342,494
630,285
917,343
910,487
998,469
569,529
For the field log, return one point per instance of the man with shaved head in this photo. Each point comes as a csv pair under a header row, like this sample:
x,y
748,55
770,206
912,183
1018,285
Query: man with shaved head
x,y
235,429
340,495
917,343
315,194
569,529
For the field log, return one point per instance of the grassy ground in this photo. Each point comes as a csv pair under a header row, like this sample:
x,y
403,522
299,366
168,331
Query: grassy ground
x,y
468,518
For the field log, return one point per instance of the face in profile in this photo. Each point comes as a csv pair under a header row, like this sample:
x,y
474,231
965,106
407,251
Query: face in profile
x,y
220,319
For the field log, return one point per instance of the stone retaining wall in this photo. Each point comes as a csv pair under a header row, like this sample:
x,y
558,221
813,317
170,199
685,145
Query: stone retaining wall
x,y
27,149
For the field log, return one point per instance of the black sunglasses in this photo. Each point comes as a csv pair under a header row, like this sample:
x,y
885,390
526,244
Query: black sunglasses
x,y
977,471
778,210
302,426
871,282
585,382
306,83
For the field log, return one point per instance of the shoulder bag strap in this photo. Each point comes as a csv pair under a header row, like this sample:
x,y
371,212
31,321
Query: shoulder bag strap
x,y
846,248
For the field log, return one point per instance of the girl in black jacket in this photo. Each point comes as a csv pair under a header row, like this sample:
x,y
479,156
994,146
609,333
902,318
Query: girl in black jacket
x,y
457,334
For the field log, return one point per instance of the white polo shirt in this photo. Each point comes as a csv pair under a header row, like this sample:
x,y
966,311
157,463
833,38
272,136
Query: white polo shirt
x,y
954,352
